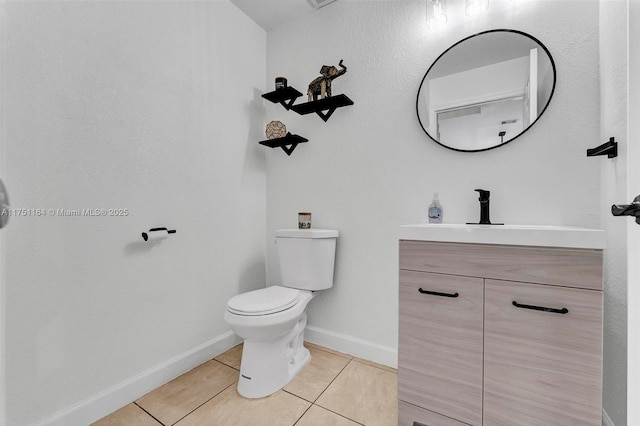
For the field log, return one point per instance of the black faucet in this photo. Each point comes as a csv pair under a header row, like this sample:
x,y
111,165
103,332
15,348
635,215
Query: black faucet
x,y
484,208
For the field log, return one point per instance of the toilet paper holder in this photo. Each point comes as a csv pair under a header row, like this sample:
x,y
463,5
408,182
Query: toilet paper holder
x,y
160,232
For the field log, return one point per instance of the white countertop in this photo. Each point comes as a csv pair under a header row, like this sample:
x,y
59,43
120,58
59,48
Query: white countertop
x,y
519,235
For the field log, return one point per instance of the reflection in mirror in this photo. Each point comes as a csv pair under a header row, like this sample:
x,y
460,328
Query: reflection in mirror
x,y
486,90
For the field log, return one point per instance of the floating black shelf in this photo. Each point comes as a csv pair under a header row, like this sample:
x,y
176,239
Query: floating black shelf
x,y
610,149
285,96
287,143
330,103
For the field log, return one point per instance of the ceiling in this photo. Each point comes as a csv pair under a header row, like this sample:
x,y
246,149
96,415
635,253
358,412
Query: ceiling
x,y
271,13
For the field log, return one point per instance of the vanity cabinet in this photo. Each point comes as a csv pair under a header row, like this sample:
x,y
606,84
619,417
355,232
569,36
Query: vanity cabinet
x,y
499,335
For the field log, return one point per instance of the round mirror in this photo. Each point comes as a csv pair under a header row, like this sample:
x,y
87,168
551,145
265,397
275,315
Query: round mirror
x,y
486,90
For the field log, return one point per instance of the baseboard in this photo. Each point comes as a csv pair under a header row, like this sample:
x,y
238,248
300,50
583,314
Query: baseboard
x,y
111,399
606,421
352,345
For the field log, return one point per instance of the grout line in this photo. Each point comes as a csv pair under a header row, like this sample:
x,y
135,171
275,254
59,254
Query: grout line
x,y
302,415
321,393
374,365
150,415
319,406
318,397
227,387
297,396
191,412
331,382
331,411
224,363
338,414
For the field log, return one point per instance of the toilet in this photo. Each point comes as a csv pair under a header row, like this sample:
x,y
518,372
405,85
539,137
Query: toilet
x,y
272,320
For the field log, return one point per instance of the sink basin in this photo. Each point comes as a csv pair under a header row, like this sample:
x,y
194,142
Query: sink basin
x,y
519,235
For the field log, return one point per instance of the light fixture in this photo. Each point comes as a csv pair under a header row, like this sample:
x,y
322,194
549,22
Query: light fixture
x,y
436,14
474,7
437,10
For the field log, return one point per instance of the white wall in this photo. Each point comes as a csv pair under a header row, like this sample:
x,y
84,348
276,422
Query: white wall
x,y
371,168
613,93
150,106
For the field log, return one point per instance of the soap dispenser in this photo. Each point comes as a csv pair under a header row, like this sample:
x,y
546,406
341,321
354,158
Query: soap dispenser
x,y
435,210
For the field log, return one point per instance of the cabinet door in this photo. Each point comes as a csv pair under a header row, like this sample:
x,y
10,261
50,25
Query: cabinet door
x,y
542,367
440,347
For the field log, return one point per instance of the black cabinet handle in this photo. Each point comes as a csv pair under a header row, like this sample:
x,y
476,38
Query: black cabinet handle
x,y
418,424
541,308
436,293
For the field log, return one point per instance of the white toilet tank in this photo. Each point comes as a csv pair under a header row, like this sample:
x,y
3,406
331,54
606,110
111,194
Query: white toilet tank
x,y
307,257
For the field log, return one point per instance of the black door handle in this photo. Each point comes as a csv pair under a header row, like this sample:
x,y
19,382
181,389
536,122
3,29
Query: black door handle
x,y
437,293
541,308
632,209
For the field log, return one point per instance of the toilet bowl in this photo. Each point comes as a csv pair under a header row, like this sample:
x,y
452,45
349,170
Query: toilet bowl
x,y
272,320
273,352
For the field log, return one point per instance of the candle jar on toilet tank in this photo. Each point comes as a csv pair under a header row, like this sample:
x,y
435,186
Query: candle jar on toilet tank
x,y
304,220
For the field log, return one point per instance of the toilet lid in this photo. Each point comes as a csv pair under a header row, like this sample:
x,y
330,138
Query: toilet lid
x,y
267,300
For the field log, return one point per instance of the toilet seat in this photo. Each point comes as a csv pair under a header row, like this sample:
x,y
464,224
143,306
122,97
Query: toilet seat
x,y
264,301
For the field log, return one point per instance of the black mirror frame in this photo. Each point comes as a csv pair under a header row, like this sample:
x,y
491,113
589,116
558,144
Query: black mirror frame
x,y
555,75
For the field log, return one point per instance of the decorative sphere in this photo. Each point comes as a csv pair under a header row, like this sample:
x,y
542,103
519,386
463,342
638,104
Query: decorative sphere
x,y
276,129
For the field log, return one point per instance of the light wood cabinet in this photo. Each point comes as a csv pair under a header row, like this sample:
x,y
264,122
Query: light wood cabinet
x,y
499,335
442,344
545,365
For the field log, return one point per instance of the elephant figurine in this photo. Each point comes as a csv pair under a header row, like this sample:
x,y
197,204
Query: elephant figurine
x,y
322,85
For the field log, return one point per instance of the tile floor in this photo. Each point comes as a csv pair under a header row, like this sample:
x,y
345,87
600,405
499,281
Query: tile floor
x,y
333,389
